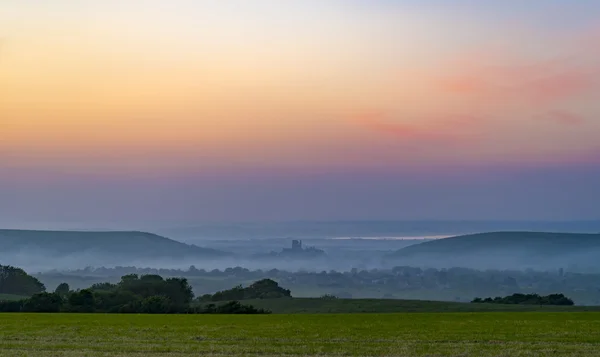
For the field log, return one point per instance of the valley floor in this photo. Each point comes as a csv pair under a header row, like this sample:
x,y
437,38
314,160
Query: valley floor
x,y
404,334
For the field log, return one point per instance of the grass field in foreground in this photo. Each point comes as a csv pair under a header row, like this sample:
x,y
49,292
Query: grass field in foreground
x,y
317,305
423,334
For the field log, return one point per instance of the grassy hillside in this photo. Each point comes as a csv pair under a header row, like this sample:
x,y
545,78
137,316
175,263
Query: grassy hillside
x,y
547,243
506,249
318,305
137,244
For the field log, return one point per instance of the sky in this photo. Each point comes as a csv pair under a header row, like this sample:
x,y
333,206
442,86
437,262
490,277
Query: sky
x,y
194,111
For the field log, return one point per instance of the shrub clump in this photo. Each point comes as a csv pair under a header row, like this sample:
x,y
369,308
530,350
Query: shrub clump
x,y
528,299
262,289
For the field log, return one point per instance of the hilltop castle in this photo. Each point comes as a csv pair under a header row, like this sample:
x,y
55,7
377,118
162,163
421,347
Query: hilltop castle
x,y
298,251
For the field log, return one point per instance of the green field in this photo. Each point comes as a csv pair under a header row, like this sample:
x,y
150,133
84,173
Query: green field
x,y
408,334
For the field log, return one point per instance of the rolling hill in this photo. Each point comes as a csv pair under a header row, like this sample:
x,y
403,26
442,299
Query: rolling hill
x,y
505,250
27,246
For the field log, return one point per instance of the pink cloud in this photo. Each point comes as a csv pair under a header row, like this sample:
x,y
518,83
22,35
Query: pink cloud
x,y
445,128
535,82
575,74
377,121
489,81
563,86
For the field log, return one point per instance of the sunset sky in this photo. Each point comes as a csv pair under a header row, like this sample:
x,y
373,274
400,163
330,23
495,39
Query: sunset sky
x,y
227,110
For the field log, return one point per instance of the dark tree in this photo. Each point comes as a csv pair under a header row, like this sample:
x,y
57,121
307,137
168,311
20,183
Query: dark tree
x,y
43,302
156,305
82,301
16,281
103,287
62,289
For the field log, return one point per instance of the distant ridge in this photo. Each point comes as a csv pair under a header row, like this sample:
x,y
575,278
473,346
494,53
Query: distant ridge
x,y
361,228
134,244
506,249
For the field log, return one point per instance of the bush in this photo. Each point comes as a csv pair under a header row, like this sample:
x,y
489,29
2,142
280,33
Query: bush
x,y
82,301
103,287
528,299
261,289
155,305
43,302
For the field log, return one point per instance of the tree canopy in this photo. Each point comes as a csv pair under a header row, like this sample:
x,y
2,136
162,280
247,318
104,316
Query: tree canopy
x,y
262,289
16,281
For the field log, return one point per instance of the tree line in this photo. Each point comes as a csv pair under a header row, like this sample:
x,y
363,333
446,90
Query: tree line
x,y
460,284
528,299
149,294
